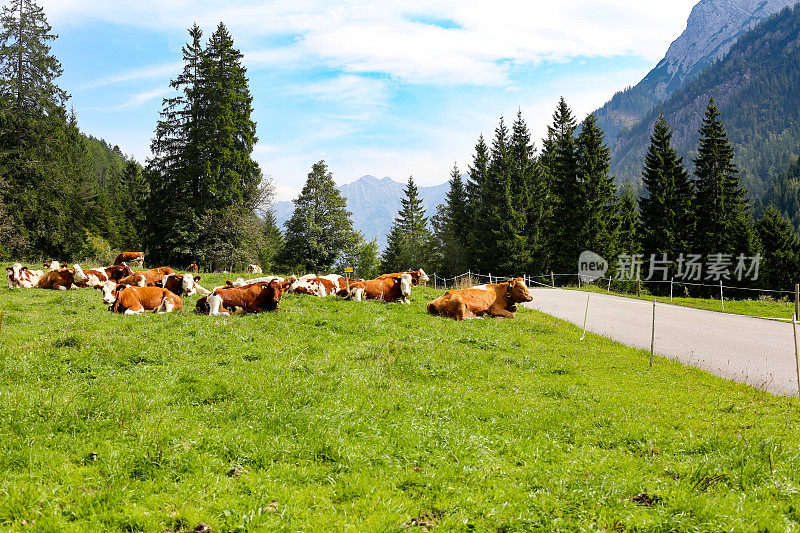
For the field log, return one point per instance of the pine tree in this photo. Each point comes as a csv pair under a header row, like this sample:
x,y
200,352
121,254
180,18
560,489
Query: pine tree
x,y
230,177
28,69
627,223
475,184
598,192
666,210
173,175
320,227
410,242
451,228
723,219
42,154
780,268
559,160
529,195
203,174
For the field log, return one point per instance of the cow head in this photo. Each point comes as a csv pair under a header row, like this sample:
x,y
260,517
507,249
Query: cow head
x,y
14,274
272,292
110,291
53,265
187,284
79,274
423,276
117,272
517,292
405,284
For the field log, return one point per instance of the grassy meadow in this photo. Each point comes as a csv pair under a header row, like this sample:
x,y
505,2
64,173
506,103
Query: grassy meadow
x,y
336,415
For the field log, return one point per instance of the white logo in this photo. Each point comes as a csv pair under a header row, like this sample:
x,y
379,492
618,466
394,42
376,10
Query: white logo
x,y
591,267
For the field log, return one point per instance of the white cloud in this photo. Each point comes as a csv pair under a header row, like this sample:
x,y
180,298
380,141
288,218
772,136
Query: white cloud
x,y
134,101
155,71
387,37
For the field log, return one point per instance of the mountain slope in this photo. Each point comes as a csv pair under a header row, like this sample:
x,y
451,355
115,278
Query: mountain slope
x,y
712,28
755,87
374,203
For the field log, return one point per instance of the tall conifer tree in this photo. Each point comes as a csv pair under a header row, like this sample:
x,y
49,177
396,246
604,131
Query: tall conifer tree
x,y
410,242
723,219
598,192
666,210
451,228
559,159
320,227
43,157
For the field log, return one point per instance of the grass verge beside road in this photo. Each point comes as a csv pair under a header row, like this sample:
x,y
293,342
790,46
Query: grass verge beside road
x,y
759,308
333,415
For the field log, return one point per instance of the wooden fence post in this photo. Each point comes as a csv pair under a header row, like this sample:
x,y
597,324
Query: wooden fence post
x,y
552,279
794,329
653,334
585,316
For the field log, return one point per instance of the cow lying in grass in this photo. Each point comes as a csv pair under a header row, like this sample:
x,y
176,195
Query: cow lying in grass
x,y
182,284
135,300
387,288
498,299
147,278
19,277
96,277
253,298
61,279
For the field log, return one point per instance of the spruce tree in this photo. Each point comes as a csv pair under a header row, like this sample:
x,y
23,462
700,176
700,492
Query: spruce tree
x,y
202,175
529,196
780,268
451,225
559,160
410,242
666,209
598,192
627,223
475,184
320,227
42,154
500,228
722,215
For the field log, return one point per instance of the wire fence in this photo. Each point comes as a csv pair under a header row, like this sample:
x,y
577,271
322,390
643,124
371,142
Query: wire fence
x,y
553,280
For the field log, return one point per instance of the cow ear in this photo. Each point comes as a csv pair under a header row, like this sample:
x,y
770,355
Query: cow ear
x,y
9,268
23,269
197,278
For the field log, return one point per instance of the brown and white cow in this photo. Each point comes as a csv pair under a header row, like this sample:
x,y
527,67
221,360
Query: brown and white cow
x,y
54,265
241,282
96,277
130,257
193,268
310,286
254,269
183,284
20,277
134,300
253,298
396,288
416,276
496,299
62,279
147,278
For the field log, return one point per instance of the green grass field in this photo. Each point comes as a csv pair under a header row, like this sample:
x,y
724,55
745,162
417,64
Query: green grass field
x,y
337,415
783,309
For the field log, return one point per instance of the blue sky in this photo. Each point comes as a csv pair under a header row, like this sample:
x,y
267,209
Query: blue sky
x,y
376,87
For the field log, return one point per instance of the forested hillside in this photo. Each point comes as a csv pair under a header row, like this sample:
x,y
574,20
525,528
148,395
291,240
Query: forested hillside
x,y
755,87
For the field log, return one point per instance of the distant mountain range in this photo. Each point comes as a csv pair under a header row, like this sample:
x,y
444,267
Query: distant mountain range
x,y
374,203
713,27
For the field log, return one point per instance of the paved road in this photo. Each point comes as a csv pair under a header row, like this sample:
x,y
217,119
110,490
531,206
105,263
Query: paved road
x,y
750,350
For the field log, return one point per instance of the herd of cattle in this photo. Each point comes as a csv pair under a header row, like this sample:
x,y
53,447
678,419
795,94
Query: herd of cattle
x,y
161,289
